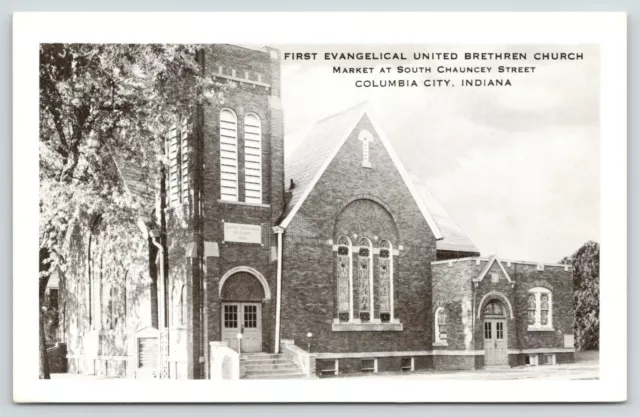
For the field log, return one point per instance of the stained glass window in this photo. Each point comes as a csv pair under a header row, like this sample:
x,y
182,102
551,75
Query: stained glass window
x,y
364,267
384,277
343,268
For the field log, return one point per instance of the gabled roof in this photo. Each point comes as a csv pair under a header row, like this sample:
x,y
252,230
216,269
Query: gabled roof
x,y
486,269
312,157
454,239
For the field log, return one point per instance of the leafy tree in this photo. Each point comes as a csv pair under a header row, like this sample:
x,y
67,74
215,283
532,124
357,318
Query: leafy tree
x,y
586,295
99,102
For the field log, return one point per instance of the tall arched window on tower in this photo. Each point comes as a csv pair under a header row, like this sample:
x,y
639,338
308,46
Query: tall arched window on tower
x,y
252,159
344,279
365,278
228,155
385,281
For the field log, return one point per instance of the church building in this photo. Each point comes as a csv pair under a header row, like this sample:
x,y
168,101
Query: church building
x,y
334,260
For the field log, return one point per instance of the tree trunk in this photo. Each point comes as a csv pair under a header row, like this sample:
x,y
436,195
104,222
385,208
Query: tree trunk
x,y
44,360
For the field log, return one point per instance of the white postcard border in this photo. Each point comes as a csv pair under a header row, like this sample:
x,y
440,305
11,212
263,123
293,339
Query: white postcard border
x,y
606,29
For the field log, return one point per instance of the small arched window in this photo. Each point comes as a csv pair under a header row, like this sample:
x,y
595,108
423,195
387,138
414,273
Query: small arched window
x,y
344,279
228,155
540,310
253,158
183,306
385,281
365,280
494,308
441,326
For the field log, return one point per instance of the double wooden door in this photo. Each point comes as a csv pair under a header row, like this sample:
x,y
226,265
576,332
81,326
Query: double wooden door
x,y
244,319
495,342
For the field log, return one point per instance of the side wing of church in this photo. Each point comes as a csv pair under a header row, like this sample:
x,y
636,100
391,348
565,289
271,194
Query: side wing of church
x,y
334,261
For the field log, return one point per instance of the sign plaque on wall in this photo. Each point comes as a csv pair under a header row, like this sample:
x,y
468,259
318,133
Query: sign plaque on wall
x,y
243,233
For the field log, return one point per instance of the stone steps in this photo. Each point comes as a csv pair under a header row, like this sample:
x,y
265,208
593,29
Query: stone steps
x,y
269,366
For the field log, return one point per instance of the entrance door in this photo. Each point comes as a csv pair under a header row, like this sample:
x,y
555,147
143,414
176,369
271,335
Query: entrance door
x,y
495,342
244,318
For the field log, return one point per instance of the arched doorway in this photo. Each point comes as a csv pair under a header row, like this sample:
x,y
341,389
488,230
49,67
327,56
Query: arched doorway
x,y
242,291
495,333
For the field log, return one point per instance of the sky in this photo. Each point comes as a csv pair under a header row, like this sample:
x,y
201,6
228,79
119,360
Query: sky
x,y
517,167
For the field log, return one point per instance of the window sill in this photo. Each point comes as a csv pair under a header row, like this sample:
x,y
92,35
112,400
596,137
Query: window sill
x,y
540,329
366,327
440,344
242,203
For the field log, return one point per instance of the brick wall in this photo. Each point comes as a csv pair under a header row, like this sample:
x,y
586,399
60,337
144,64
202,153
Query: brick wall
x,y
261,67
350,199
452,289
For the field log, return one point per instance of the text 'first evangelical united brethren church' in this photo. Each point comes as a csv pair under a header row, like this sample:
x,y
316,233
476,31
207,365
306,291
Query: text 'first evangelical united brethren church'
x,y
401,56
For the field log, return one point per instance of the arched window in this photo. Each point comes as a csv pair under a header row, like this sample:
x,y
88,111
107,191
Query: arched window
x,y
111,314
175,306
183,306
385,281
228,155
441,326
177,149
494,309
345,298
365,280
252,159
540,311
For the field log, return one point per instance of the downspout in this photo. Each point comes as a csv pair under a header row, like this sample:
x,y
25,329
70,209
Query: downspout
x,y
161,314
278,231
473,317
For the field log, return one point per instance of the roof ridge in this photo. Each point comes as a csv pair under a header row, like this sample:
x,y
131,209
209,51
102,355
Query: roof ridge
x,y
362,103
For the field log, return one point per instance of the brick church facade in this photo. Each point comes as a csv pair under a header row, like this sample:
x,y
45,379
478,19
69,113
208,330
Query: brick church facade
x,y
338,251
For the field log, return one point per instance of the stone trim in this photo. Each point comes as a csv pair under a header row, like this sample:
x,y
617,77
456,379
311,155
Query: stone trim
x,y
540,350
241,80
484,259
369,355
494,294
486,269
366,327
242,203
540,329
